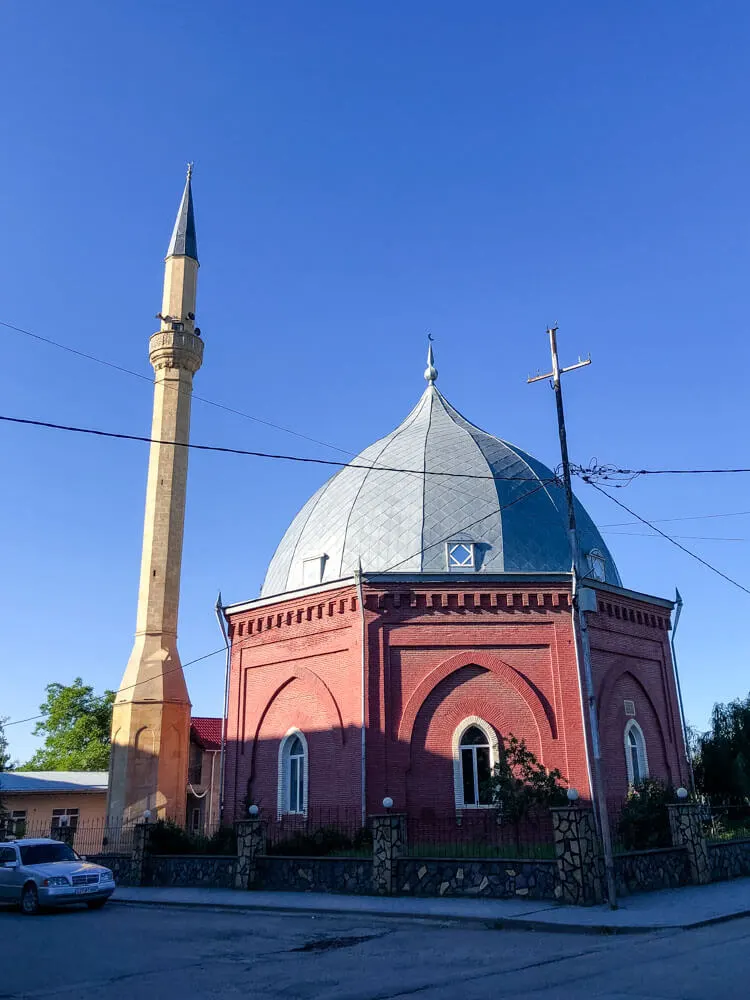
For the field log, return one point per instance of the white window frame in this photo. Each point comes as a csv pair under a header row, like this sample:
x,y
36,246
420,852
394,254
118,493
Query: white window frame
x,y
284,789
65,818
597,565
633,727
468,566
313,569
458,778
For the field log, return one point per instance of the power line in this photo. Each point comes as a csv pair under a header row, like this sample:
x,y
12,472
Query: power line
x,y
611,473
259,454
691,517
669,538
647,534
203,399
542,485
147,378
240,645
130,687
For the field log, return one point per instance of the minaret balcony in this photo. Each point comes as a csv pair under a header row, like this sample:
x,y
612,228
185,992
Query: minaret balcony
x,y
176,349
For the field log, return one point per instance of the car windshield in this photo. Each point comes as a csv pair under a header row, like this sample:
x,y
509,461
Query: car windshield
x,y
45,854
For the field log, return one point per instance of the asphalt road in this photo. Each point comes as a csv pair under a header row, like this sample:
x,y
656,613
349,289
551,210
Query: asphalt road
x,y
183,954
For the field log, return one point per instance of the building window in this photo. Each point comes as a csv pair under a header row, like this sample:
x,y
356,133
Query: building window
x,y
461,555
293,774
196,764
597,565
17,826
195,820
64,817
475,751
635,753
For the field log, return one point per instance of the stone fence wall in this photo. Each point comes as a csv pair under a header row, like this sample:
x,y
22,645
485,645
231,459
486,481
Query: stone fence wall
x,y
574,876
481,877
350,875
194,870
729,859
646,871
122,867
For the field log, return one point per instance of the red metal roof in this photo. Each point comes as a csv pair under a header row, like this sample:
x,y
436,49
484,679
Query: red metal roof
x,y
207,732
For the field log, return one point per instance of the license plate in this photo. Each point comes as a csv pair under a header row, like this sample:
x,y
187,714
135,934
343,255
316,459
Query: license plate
x,y
86,888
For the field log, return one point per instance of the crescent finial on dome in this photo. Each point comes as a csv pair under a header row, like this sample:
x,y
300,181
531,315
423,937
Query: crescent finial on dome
x,y
430,372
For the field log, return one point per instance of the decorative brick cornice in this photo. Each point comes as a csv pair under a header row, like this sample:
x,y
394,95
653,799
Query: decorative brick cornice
x,y
258,624
467,601
635,615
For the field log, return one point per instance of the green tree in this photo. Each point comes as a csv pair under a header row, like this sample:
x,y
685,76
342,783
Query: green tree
x,y
722,760
521,785
75,727
644,820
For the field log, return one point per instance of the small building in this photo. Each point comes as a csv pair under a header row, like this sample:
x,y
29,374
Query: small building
x,y
417,612
40,803
73,804
204,775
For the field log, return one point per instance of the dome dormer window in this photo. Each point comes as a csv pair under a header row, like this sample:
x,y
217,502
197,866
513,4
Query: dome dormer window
x,y
597,565
461,556
312,570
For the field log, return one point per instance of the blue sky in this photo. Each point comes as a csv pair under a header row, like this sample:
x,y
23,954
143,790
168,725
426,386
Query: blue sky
x,y
364,173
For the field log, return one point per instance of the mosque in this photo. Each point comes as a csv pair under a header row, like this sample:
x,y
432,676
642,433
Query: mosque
x,y
417,611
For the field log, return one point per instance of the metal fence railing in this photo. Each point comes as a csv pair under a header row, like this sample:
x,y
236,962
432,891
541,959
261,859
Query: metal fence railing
x,y
84,836
726,822
319,832
481,833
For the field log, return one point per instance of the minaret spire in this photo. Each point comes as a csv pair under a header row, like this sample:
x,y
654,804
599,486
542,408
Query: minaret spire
x,y
151,713
430,372
184,242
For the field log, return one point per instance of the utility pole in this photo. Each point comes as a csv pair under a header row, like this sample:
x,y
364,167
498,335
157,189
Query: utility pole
x,y
580,625
688,753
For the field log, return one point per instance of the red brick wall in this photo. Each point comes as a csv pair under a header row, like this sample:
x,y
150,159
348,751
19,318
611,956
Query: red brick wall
x,y
631,659
295,664
434,657
421,646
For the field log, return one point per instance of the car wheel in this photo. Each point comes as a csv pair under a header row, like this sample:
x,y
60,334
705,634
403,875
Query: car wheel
x,y
30,900
96,904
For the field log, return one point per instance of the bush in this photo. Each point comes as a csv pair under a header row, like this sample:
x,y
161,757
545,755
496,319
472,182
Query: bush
x,y
644,820
326,840
167,837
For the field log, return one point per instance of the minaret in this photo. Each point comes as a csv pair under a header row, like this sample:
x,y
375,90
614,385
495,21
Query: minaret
x,y
151,716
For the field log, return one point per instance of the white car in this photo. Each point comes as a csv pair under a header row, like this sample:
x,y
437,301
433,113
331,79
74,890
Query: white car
x,y
39,873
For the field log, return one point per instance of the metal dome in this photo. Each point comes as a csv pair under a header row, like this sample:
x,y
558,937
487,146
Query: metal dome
x,y
403,521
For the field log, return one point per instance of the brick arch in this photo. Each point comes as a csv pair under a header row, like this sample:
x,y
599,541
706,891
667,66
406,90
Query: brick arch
x,y
606,706
328,703
615,673
537,704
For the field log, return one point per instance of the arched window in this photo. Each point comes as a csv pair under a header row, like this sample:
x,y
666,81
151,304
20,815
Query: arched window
x,y
293,770
635,753
474,756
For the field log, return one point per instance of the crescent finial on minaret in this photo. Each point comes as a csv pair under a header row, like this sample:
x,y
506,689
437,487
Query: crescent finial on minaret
x,y
430,372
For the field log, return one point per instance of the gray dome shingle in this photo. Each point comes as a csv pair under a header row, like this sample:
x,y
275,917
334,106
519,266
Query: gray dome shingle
x,y
400,521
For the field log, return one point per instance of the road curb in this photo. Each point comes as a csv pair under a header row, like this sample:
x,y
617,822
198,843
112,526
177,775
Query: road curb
x,y
492,923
